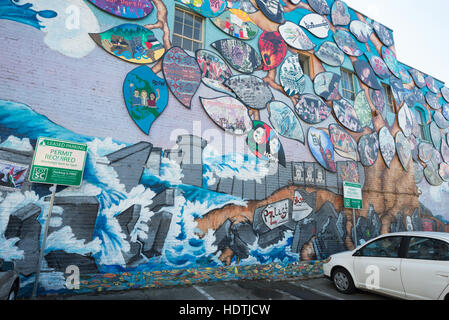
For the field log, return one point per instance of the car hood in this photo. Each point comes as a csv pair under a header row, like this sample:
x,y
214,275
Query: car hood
x,y
343,254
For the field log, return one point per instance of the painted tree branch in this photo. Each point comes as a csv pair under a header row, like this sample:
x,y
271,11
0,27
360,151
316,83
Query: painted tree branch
x,y
163,25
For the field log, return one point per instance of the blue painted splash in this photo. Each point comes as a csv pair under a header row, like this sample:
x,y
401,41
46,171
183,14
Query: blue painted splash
x,y
24,13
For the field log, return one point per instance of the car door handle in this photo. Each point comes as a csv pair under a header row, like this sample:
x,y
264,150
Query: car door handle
x,y
443,274
392,268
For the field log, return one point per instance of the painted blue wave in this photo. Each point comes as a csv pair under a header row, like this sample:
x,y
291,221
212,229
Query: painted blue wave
x,y
23,13
183,248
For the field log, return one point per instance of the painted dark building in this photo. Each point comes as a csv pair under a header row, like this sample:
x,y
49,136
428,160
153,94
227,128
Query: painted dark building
x,y
219,136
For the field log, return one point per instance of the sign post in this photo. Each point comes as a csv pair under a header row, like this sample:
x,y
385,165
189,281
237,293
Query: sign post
x,y
56,162
353,199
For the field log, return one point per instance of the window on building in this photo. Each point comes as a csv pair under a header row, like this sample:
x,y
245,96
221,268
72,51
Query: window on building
x,y
188,30
421,119
304,61
348,86
388,97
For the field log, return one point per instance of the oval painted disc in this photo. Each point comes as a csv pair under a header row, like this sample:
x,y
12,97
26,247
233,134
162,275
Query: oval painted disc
x,y
418,77
272,9
432,100
320,6
385,35
363,110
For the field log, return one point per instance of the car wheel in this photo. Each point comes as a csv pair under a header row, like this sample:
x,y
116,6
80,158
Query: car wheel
x,y
343,281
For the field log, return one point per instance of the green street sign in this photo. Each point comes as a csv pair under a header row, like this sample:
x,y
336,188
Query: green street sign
x,y
352,195
58,162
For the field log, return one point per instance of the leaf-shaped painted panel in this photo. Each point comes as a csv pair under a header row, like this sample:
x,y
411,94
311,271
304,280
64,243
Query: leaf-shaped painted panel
x,y
146,96
206,8
273,49
240,55
330,54
369,149
182,73
387,145
264,143
311,109
285,122
345,113
322,148
295,37
229,114
403,149
344,143
237,24
214,70
130,9
130,42
291,76
250,90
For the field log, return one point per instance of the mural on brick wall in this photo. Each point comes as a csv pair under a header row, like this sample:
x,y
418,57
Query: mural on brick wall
x,y
151,212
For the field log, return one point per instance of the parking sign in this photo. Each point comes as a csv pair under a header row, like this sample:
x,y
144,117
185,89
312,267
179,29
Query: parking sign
x,y
58,162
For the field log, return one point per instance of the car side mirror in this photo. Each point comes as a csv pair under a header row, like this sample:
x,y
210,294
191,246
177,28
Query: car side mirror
x,y
358,253
7,266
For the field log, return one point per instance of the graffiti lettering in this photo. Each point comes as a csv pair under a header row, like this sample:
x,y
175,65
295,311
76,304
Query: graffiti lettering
x,y
276,214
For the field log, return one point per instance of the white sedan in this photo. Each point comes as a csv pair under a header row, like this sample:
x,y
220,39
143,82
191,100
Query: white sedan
x,y
407,265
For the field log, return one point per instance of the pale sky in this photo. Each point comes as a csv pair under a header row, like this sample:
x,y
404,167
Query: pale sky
x,y
420,29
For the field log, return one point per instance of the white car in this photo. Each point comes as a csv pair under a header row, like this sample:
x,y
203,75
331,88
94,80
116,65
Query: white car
x,y
407,265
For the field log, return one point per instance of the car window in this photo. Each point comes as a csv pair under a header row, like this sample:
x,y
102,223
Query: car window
x,y
427,249
385,247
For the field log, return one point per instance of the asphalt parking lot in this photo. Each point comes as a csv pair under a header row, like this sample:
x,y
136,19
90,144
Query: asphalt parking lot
x,y
313,289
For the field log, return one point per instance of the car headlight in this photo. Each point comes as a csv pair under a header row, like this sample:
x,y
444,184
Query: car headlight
x,y
328,260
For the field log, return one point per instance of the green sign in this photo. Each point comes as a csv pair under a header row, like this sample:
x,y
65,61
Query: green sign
x,y
58,162
352,195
